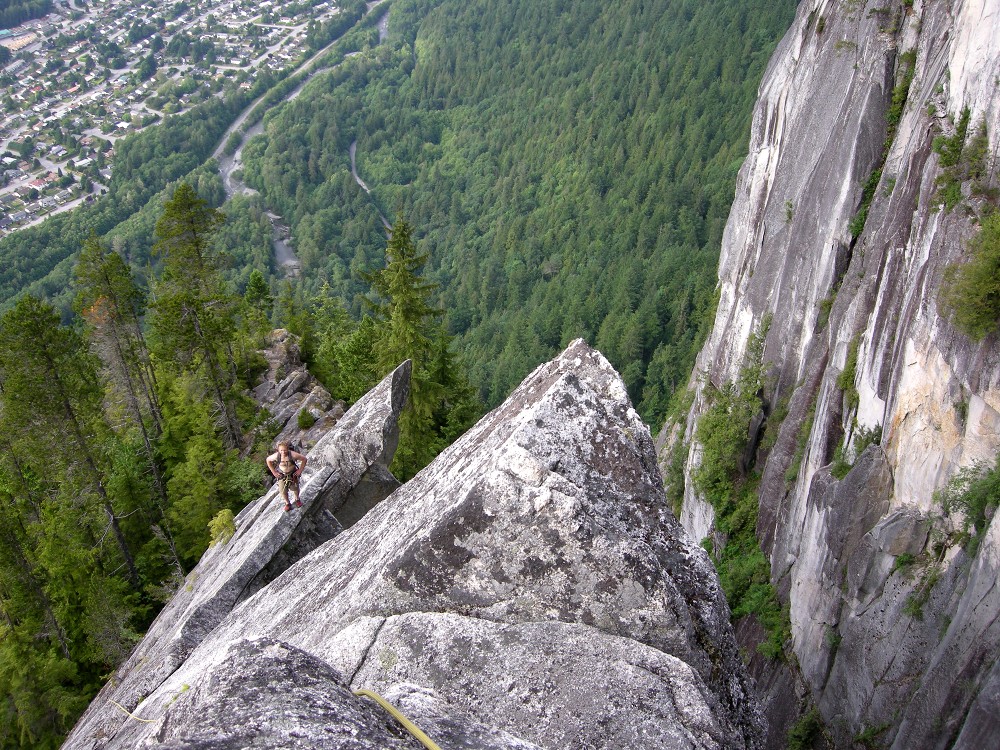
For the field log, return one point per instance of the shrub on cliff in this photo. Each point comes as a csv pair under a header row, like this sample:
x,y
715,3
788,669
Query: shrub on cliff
x,y
730,487
974,493
971,290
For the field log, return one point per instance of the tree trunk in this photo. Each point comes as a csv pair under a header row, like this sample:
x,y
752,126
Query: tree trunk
x,y
232,428
133,402
133,572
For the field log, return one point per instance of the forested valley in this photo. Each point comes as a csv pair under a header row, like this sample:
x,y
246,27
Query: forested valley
x,y
551,170
568,166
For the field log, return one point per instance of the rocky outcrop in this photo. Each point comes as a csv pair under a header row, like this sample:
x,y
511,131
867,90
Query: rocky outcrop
x,y
288,389
267,694
267,540
527,589
894,625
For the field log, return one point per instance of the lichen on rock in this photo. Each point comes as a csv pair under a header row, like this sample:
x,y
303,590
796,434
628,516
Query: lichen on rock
x,y
530,578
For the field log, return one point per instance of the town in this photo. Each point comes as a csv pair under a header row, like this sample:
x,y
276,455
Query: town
x,y
87,74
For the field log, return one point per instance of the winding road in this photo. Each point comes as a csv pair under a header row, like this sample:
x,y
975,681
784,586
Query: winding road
x,y
284,255
357,179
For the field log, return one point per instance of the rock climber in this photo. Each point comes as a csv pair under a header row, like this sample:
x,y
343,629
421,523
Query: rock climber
x,y
287,466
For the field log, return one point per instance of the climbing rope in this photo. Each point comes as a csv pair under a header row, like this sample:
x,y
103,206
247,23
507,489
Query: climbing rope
x,y
131,715
396,714
407,724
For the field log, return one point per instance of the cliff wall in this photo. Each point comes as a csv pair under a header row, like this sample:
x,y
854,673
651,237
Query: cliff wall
x,y
873,399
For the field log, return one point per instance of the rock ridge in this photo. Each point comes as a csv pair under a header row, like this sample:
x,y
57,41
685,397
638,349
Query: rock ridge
x,y
528,589
265,542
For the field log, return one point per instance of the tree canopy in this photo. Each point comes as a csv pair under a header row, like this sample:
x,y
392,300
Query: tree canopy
x,y
569,166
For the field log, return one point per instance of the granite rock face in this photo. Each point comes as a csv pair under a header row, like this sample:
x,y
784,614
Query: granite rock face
x,y
893,624
267,695
527,589
288,389
266,542
658,700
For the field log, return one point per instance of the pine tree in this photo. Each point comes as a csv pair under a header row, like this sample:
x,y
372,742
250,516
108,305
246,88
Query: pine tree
x,y
408,319
460,407
51,398
110,303
258,303
355,361
441,401
292,312
203,476
253,312
333,329
192,314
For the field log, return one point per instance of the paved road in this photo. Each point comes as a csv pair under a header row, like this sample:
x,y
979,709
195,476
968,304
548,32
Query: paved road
x,y
354,173
284,254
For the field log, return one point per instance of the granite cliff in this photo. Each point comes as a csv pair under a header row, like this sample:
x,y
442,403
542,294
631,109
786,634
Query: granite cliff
x,y
837,244
528,589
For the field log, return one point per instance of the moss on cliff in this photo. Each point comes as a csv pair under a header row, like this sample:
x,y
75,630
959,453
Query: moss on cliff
x,y
726,479
971,290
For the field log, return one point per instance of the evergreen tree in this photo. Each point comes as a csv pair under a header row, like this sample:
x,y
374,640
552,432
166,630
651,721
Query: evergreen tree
x,y
258,304
403,303
196,458
203,476
110,303
334,328
192,314
460,407
68,597
291,311
354,358
52,399
253,311
409,328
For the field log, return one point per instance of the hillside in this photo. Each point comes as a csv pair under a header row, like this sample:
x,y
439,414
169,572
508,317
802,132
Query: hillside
x,y
568,167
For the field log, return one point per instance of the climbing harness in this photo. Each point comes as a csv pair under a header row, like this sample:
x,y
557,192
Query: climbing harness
x,y
398,716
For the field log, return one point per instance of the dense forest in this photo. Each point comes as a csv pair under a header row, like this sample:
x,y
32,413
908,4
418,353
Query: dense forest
x,y
569,167
551,169
16,12
115,461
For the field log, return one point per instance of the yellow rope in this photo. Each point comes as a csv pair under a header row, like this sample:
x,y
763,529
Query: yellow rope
x,y
396,713
131,715
409,725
